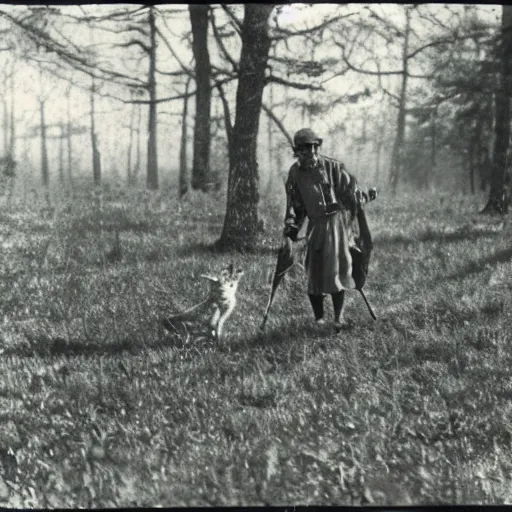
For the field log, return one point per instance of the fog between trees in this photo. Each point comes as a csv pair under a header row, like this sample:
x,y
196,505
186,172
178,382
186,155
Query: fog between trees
x,y
207,97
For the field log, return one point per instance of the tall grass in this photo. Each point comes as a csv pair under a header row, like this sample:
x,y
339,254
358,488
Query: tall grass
x,y
101,407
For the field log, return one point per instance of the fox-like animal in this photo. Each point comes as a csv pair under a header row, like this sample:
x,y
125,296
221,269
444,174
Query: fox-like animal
x,y
221,300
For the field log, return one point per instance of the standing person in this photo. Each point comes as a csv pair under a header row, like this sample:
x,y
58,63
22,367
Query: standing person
x,y
320,189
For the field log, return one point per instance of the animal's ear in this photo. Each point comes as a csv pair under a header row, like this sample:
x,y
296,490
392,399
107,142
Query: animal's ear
x,y
210,278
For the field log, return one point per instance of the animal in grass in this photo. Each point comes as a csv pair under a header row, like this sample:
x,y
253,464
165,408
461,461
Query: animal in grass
x,y
220,303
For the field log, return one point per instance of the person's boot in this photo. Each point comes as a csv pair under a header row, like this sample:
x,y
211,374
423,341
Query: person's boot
x,y
338,301
317,303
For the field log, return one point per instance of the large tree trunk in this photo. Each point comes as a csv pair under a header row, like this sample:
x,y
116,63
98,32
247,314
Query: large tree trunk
x,y
228,125
45,174
183,144
397,153
499,196
241,220
152,176
201,158
96,158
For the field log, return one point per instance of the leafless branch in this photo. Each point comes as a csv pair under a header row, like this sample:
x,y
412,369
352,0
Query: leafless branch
x,y
220,43
136,42
278,123
123,15
387,22
286,34
295,85
175,97
217,72
390,94
173,73
74,60
174,54
237,24
227,115
367,71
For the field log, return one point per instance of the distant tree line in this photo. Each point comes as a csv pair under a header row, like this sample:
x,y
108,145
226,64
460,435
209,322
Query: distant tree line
x,y
444,71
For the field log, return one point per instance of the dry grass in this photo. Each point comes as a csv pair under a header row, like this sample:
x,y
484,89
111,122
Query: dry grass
x,y
100,407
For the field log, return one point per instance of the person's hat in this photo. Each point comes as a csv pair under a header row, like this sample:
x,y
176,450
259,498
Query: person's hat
x,y
306,136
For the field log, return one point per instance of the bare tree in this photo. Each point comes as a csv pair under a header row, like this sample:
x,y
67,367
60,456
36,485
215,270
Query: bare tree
x,y
395,170
129,174
183,144
69,136
241,220
96,156
45,173
499,195
152,174
201,159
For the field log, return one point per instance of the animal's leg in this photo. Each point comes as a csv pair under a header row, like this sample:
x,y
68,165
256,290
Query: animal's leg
x,y
214,322
221,322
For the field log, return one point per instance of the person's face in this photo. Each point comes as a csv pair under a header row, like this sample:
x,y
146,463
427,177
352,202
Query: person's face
x,y
307,154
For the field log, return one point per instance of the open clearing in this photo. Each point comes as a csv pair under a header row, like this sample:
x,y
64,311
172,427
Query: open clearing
x,y
100,407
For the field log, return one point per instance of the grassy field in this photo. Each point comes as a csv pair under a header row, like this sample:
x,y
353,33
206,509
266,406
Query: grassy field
x,y
100,407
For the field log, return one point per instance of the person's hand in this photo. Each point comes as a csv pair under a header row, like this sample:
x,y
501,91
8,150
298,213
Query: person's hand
x,y
291,231
360,196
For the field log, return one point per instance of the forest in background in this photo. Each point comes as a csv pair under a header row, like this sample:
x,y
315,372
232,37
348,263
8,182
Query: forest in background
x,y
134,139
205,97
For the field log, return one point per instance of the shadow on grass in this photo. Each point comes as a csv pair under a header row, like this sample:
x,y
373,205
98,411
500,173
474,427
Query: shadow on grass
x,y
282,340
431,235
203,249
59,346
196,249
475,267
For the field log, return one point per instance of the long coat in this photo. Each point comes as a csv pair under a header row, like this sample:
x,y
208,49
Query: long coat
x,y
325,194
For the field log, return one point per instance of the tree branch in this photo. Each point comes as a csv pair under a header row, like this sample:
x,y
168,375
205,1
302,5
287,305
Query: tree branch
x,y
390,94
278,123
173,53
367,71
176,97
124,15
227,115
295,85
237,25
285,33
136,42
74,60
172,73
220,43
397,30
